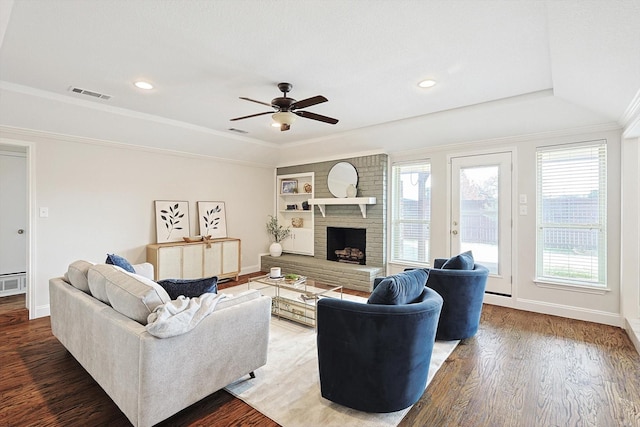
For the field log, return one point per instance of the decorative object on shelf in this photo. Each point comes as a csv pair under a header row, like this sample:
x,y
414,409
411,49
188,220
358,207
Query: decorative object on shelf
x,y
351,190
305,206
289,186
275,273
292,207
307,187
213,221
192,239
278,233
172,220
340,176
297,222
207,240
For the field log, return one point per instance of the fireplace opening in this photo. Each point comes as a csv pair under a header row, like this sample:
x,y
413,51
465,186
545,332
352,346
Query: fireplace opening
x,y
347,245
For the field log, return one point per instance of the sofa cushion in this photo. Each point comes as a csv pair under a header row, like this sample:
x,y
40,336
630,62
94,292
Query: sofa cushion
x,y
463,261
120,262
97,276
189,288
401,288
133,295
77,275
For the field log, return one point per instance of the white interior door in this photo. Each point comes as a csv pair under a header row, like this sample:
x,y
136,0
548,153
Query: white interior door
x,y
13,213
481,214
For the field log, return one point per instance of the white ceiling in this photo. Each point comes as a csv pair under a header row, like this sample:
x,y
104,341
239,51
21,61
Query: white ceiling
x,y
557,64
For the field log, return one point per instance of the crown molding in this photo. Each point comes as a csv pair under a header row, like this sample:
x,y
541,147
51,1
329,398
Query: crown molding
x,y
515,139
9,132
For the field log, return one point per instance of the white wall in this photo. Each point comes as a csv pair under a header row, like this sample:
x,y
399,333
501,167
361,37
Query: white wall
x,y
100,198
602,308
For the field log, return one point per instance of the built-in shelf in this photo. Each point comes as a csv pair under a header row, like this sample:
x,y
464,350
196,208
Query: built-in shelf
x,y
360,201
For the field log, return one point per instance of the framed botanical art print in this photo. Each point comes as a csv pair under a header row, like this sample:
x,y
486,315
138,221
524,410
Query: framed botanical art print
x,y
212,219
172,220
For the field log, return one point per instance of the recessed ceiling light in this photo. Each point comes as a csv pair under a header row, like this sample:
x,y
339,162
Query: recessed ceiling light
x,y
143,85
427,83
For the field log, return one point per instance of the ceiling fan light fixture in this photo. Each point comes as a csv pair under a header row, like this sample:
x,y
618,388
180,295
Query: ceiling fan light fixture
x,y
283,118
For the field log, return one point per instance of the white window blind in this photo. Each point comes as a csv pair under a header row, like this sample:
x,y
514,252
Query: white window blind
x,y
411,212
571,214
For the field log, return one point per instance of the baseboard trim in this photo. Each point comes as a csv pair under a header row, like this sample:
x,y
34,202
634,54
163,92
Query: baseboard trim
x,y
40,311
596,316
633,330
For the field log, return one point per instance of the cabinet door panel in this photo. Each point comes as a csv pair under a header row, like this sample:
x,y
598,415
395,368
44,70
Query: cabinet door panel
x,y
192,262
169,262
304,241
230,256
212,260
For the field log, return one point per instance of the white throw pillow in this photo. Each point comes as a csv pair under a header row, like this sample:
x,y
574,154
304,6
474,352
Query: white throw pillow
x,y
133,295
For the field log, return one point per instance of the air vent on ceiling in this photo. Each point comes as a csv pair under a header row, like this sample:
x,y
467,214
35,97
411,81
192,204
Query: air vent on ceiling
x,y
89,93
237,130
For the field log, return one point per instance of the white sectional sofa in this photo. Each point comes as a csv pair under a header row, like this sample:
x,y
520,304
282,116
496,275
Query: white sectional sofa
x,y
150,378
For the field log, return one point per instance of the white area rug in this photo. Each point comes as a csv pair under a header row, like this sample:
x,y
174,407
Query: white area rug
x,y
287,388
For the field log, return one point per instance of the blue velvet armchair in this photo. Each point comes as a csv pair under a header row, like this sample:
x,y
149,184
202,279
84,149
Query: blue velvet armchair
x,y
375,357
462,292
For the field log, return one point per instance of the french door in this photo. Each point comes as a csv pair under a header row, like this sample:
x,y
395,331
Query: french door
x,y
481,214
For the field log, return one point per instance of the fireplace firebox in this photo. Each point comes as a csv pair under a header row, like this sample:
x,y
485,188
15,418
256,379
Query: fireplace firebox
x,y
347,245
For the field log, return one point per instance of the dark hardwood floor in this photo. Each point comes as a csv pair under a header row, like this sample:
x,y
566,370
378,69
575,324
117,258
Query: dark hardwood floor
x,y
521,369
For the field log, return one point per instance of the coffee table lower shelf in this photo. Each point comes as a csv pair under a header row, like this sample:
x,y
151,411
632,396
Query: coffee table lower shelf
x,y
292,310
295,302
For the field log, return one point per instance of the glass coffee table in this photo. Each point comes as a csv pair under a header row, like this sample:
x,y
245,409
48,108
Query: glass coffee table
x,y
294,299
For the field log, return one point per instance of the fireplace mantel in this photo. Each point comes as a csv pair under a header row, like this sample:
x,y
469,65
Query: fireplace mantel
x,y
360,201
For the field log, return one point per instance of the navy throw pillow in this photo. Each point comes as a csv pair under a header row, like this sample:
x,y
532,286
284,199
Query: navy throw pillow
x,y
401,288
117,260
464,261
190,288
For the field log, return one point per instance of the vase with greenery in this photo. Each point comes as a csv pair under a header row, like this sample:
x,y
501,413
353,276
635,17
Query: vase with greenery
x,y
278,233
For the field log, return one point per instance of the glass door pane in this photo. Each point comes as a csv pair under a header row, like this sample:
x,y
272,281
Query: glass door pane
x,y
481,214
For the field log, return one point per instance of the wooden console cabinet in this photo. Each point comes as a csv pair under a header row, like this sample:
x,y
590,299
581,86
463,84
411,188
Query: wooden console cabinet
x,y
182,260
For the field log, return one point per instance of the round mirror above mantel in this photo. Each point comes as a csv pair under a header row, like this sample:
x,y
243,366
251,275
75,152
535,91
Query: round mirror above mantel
x,y
341,176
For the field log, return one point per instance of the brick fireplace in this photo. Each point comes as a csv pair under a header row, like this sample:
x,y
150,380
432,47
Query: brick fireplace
x,y
372,182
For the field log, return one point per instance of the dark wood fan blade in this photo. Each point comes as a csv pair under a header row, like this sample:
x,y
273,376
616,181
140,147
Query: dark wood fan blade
x,y
303,103
314,116
284,127
252,115
257,102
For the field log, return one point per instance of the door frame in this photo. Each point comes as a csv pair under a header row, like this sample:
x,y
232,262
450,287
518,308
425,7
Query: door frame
x,y
30,296
504,300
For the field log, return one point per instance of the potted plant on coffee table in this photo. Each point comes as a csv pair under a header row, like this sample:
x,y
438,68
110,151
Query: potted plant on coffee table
x,y
278,234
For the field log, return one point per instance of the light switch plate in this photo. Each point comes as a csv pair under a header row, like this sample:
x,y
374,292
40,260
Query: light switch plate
x,y
44,212
523,198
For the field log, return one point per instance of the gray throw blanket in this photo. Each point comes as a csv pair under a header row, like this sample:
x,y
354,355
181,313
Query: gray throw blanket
x,y
181,315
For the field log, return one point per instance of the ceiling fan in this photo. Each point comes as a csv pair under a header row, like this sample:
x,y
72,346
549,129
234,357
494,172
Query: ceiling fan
x,y
286,109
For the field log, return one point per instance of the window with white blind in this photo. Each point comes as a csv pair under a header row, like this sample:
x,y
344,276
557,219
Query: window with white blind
x,y
571,214
410,212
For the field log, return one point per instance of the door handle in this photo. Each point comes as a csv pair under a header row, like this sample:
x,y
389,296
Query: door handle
x,y
454,232
21,231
